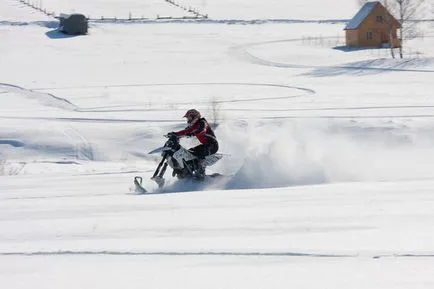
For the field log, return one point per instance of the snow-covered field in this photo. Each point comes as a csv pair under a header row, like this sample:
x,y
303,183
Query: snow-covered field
x,y
329,153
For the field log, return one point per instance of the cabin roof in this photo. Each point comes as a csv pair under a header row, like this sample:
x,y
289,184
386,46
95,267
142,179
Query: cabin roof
x,y
361,15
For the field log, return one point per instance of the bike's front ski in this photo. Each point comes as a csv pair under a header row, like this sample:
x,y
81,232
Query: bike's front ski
x,y
138,185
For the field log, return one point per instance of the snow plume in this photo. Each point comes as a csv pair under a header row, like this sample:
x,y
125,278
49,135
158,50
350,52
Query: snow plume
x,y
313,152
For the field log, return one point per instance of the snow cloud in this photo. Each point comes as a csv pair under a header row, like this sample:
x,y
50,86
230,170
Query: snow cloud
x,y
305,152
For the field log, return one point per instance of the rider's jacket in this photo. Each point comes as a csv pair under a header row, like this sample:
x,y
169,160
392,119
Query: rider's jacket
x,y
202,130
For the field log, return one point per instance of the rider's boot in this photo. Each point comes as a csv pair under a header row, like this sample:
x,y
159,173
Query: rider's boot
x,y
200,170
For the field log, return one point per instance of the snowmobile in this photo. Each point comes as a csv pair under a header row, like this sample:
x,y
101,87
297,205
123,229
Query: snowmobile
x,y
184,164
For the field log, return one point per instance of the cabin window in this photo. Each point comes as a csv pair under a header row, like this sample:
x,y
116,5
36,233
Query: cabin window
x,y
379,19
369,35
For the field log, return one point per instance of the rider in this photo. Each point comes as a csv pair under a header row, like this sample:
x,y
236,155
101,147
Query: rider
x,y
199,127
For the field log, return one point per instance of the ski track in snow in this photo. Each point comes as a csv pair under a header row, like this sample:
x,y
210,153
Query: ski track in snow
x,y
241,52
33,91
216,253
60,102
83,149
46,98
172,253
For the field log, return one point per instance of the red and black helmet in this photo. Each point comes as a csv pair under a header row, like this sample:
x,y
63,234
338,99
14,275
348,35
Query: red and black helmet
x,y
192,116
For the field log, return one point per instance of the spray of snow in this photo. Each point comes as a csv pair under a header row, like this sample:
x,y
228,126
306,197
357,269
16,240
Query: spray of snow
x,y
315,152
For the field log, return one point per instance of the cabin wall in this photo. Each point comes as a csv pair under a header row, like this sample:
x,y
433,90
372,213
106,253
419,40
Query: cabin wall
x,y
352,38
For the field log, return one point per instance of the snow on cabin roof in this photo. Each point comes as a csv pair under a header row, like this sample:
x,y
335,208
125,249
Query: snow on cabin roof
x,y
361,15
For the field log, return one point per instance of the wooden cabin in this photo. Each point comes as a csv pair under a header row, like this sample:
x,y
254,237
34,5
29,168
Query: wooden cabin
x,y
369,27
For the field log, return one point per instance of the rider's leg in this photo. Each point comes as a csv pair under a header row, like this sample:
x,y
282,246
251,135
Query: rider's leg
x,y
200,151
203,150
213,148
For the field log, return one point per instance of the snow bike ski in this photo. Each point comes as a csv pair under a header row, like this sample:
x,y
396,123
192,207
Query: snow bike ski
x,y
183,163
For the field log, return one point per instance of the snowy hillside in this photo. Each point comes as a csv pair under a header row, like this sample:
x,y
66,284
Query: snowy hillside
x,y
328,159
275,9
13,12
120,9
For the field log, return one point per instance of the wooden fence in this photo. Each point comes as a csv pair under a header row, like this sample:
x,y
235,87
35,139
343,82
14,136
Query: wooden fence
x,y
37,5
